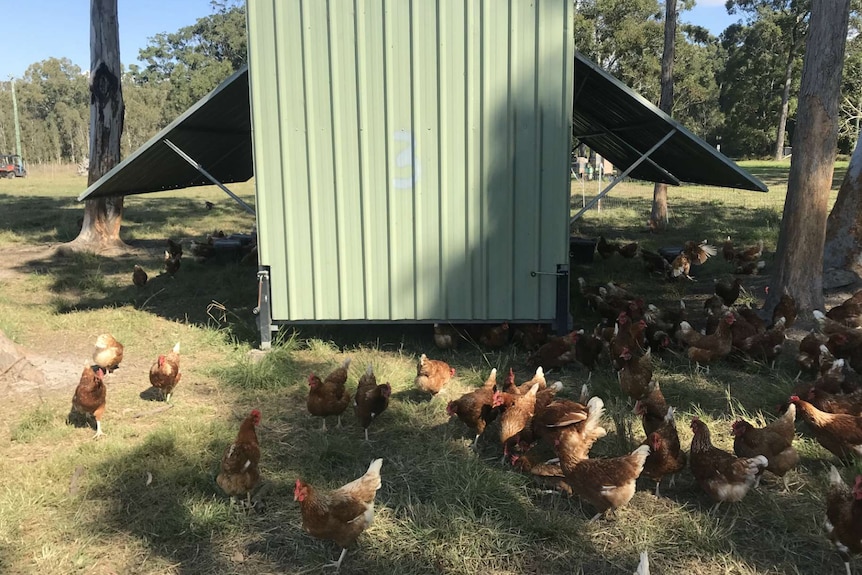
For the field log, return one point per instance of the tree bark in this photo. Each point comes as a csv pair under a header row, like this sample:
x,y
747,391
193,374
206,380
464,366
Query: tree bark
x,y
103,216
785,94
843,249
658,215
799,256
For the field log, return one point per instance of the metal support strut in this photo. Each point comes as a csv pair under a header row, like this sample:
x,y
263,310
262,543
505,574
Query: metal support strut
x,y
619,178
208,176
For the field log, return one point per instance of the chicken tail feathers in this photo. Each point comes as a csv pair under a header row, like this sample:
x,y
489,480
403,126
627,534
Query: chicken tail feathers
x,y
375,466
596,408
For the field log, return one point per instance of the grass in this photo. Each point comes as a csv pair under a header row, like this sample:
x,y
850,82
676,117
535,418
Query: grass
x,y
69,504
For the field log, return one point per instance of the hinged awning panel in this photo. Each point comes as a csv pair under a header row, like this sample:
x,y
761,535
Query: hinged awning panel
x,y
216,132
621,125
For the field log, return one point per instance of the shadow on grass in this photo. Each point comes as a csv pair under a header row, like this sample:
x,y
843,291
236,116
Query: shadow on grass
x,y
206,294
158,493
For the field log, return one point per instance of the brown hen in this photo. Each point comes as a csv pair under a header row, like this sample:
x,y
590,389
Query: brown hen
x,y
329,397
165,372
340,515
239,473
90,396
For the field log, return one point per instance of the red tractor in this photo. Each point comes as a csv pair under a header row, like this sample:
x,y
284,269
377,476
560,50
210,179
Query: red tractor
x,y
12,166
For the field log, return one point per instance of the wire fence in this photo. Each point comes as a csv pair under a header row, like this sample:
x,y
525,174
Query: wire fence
x,y
634,194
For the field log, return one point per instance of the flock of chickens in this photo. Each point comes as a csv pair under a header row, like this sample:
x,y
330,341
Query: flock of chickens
x,y
550,437
201,251
91,393
831,404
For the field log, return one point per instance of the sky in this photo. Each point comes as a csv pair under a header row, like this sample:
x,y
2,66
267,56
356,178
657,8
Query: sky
x,y
44,29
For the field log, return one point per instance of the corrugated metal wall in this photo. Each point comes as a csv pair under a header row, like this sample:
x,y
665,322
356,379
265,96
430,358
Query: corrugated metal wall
x,y
411,157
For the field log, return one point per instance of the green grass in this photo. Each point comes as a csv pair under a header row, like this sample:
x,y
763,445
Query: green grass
x,y
69,504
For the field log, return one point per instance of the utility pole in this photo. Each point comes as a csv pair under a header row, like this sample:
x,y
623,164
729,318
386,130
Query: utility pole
x,y
15,116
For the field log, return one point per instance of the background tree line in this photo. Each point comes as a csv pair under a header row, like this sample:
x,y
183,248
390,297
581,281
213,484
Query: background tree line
x,y
737,89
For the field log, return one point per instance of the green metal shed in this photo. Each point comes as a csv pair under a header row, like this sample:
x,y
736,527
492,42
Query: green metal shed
x,y
412,158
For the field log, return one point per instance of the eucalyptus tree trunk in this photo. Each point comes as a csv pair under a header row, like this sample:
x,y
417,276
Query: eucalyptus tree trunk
x,y
103,216
799,257
658,216
785,94
843,249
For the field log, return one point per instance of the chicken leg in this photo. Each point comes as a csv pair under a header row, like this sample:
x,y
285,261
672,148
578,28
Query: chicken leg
x,y
98,430
337,564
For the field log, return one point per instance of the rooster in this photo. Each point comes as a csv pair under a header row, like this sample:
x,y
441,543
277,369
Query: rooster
x,y
139,276
844,516
165,372
329,397
723,476
371,399
108,353
89,398
239,473
342,514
